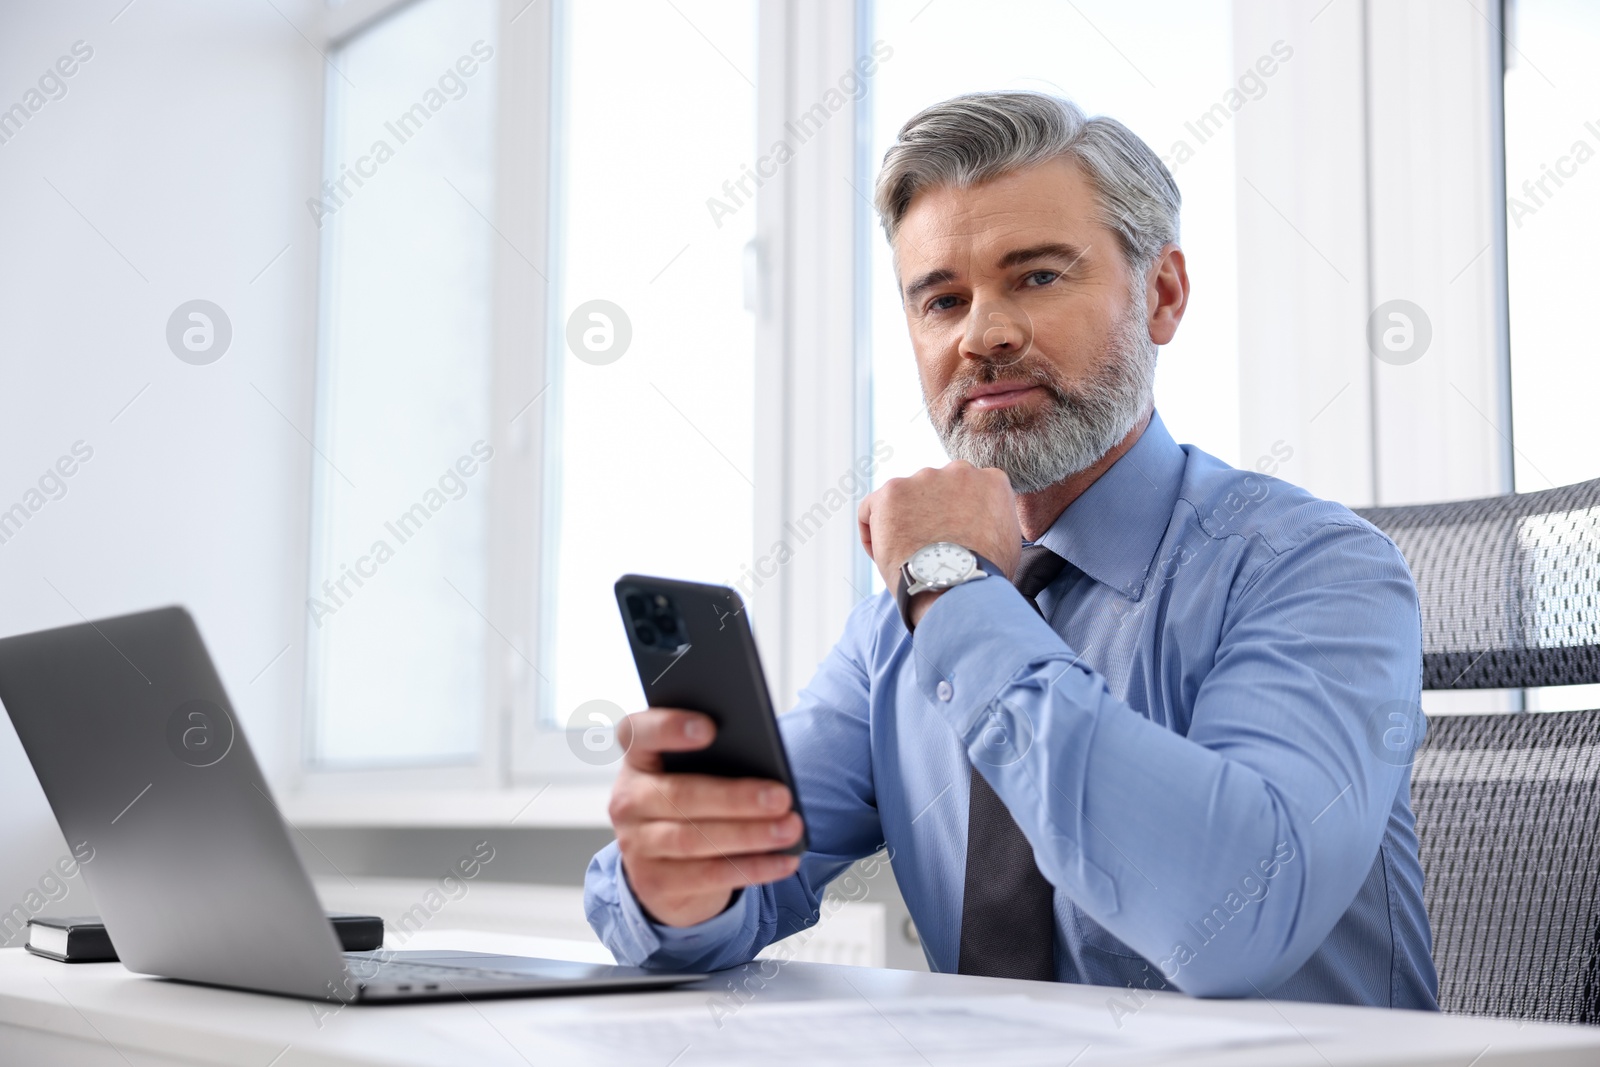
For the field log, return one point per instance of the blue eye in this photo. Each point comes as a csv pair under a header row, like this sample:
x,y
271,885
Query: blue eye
x,y
1048,276
938,303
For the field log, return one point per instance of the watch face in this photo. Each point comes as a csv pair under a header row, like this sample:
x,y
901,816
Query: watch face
x,y
942,564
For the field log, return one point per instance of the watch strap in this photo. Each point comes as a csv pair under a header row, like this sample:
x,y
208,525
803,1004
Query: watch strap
x,y
902,597
902,590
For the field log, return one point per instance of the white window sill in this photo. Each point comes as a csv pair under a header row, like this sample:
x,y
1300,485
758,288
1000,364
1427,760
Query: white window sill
x,y
562,805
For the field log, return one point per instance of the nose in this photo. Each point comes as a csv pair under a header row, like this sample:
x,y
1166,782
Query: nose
x,y
997,332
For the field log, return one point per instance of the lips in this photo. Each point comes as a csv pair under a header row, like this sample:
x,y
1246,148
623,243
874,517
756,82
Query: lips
x,y
993,396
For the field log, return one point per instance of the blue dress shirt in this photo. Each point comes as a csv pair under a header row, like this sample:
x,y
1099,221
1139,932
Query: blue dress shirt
x,y
1206,740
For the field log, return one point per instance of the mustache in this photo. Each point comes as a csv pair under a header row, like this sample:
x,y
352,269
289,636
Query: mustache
x,y
1028,372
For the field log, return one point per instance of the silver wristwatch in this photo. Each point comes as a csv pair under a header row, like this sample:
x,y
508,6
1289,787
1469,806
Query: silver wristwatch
x,y
935,568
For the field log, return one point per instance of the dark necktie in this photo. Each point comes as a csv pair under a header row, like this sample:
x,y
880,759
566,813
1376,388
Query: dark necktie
x,y
1007,916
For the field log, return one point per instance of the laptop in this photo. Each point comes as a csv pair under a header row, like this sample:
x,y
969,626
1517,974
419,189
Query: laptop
x,y
193,871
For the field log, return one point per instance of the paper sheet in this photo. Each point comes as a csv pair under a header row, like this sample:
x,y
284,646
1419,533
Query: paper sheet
x,y
1005,1031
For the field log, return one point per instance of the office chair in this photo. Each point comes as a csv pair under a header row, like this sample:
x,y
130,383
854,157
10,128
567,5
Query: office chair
x,y
1508,805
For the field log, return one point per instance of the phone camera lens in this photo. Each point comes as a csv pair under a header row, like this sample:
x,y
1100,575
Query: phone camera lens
x,y
645,633
667,625
636,606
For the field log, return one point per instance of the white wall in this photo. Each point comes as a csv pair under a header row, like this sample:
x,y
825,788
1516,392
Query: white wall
x,y
186,146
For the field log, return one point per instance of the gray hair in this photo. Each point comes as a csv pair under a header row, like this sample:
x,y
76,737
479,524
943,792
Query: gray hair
x,y
970,139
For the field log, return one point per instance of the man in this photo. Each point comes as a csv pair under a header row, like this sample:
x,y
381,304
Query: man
x,y
1125,722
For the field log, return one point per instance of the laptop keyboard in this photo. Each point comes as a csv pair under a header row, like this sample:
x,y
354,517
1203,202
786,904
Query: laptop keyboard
x,y
428,976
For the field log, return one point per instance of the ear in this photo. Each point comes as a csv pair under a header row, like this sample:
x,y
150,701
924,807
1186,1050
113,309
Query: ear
x,y
1167,294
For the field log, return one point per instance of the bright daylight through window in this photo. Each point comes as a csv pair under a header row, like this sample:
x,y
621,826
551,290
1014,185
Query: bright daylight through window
x,y
649,450
1552,218
648,361
399,560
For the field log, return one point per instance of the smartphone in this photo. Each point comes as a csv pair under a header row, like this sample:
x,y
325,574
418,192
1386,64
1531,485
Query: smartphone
x,y
693,649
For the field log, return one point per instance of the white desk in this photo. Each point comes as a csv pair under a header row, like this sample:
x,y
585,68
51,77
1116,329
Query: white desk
x,y
94,1014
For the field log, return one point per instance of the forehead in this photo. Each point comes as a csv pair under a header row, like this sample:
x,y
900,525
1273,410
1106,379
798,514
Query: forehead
x,y
972,227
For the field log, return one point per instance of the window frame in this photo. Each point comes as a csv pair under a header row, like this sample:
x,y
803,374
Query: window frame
x,y
521,217
522,754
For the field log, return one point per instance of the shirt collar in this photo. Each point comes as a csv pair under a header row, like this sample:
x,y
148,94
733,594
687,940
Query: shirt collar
x,y
1113,530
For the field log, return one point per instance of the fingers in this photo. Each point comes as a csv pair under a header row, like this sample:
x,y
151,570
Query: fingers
x,y
971,506
646,734
640,798
864,522
708,839
688,840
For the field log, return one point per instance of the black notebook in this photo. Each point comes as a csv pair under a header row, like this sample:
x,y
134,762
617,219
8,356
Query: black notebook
x,y
83,939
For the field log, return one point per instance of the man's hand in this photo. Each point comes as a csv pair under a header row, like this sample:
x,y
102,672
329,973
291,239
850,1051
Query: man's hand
x,y
971,506
689,840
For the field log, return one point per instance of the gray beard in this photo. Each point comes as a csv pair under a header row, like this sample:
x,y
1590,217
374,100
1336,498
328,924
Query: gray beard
x,y
1083,421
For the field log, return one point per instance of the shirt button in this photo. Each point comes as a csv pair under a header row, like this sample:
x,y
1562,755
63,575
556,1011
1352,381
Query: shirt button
x,y
945,691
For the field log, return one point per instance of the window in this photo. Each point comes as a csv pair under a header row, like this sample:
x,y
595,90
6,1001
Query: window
x,y
400,558
1156,68
1552,139
650,436
468,525
538,367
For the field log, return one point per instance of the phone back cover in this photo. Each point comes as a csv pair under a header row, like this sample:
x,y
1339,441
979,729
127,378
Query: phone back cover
x,y
717,672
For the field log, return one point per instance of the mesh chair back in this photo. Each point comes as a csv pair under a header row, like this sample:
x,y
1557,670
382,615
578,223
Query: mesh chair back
x,y
1508,806
1510,587
1508,820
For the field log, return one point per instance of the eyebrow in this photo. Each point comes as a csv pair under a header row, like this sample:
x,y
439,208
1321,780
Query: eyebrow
x,y
928,281
1016,257
1055,250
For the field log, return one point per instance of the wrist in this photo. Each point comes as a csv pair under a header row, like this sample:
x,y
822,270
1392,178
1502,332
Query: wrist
x,y
921,602
933,570
689,912
698,908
